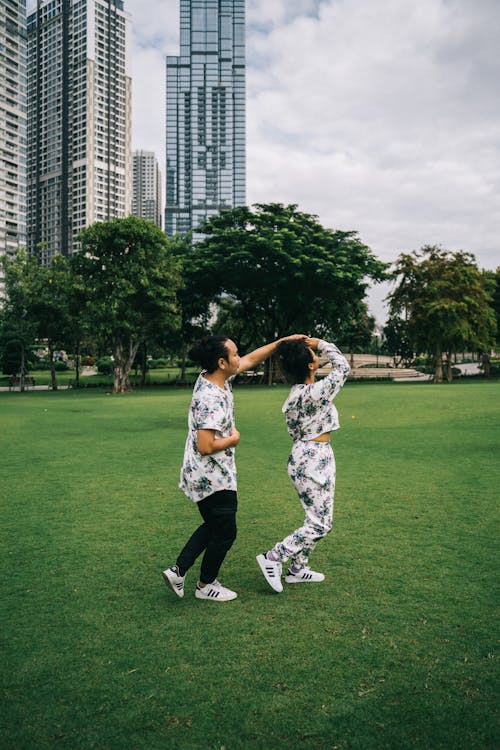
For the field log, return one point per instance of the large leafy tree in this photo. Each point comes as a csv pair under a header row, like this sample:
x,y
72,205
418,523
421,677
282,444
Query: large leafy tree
x,y
397,341
50,295
446,301
284,270
130,279
17,328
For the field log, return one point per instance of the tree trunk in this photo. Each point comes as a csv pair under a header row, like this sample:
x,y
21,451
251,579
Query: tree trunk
x,y
270,367
485,360
77,365
438,374
23,368
123,361
143,363
53,378
183,363
449,373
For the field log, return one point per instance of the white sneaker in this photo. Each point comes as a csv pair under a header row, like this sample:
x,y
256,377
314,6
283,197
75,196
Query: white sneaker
x,y
271,570
174,581
305,575
215,591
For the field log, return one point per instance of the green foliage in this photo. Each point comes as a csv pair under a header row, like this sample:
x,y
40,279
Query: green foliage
x,y
397,340
155,364
11,356
104,365
130,279
285,271
61,366
446,301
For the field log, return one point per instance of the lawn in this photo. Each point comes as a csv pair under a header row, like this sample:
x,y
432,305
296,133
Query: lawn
x,y
396,650
162,375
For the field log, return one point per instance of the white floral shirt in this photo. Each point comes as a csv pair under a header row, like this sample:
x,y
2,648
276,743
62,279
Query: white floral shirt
x,y
212,408
309,410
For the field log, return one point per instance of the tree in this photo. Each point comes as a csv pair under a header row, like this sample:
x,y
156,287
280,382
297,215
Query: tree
x,y
194,307
285,270
49,303
17,329
445,300
130,279
397,341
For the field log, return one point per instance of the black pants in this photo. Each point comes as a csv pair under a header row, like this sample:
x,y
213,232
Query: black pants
x,y
215,536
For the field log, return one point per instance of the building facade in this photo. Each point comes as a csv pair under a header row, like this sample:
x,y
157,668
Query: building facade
x,y
205,114
79,122
146,187
12,127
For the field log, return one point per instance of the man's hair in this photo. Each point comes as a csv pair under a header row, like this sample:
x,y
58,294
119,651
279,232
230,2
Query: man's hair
x,y
295,358
208,350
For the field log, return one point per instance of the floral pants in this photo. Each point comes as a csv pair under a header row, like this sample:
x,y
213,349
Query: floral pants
x,y
311,467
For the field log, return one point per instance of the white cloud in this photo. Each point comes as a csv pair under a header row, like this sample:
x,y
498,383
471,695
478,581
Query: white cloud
x,y
377,115
383,116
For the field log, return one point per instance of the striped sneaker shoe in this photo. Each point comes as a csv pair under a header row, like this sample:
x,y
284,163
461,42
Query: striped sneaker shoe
x,y
305,575
271,570
174,581
216,592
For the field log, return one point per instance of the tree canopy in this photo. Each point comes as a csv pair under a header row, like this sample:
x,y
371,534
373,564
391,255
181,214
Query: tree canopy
x,y
283,269
446,301
130,279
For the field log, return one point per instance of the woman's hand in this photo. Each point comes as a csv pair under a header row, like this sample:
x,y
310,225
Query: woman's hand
x,y
312,343
293,336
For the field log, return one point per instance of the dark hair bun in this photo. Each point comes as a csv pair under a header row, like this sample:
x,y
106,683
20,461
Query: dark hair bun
x,y
208,350
295,357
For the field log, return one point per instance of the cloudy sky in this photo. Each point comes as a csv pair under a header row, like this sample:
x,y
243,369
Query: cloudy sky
x,y
381,116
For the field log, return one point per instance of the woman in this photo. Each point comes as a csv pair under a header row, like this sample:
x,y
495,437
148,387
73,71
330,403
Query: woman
x,y
311,417
208,474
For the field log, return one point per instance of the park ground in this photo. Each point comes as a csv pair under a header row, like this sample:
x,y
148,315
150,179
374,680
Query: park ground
x,y
396,650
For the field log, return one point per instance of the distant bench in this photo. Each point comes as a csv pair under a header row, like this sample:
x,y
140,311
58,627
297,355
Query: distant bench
x,y
15,382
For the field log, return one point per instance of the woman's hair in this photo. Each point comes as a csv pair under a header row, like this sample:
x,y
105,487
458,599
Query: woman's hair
x,y
208,350
295,358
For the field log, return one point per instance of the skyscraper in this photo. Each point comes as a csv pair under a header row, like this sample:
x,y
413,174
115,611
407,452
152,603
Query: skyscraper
x,y
206,114
12,126
79,123
146,187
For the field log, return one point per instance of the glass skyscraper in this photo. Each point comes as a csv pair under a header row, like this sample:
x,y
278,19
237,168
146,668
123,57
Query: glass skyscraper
x,y
206,114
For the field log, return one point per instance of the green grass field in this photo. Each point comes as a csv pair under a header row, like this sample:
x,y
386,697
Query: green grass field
x,y
396,650
161,376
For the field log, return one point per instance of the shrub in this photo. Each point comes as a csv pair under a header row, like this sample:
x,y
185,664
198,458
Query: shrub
x,y
105,366
155,364
60,366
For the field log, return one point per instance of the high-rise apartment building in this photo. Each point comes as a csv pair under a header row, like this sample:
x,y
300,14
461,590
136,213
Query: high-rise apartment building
x,y
12,127
146,187
206,114
79,120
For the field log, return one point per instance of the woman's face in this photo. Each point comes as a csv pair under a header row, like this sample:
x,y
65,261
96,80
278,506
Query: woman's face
x,y
314,361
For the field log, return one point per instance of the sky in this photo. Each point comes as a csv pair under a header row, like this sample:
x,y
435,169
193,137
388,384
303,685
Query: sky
x,y
379,116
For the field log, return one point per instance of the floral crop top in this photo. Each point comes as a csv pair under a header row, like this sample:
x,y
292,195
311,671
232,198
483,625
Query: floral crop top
x,y
309,410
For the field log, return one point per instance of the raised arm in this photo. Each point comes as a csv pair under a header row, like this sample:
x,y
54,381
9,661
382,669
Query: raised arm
x,y
251,360
333,382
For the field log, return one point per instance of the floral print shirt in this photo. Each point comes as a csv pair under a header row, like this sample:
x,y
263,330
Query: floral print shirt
x,y
212,408
309,410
